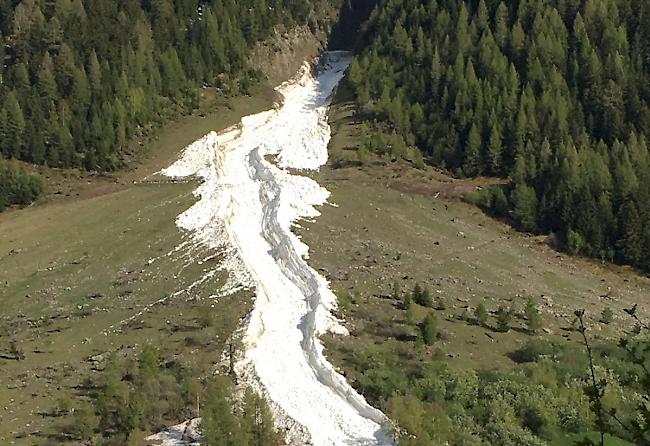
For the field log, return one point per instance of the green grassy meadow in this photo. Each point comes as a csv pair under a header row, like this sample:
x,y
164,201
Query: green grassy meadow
x,y
394,222
98,266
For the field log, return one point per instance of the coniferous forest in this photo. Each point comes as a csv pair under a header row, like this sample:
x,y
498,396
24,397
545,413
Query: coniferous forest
x,y
554,94
82,77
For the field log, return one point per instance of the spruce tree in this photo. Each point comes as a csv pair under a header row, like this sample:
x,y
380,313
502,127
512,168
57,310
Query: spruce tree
x,y
525,207
421,296
495,151
472,165
14,127
429,329
504,319
481,314
46,83
533,317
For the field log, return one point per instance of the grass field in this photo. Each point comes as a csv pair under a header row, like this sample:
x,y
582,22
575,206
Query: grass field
x,y
95,268
393,222
99,266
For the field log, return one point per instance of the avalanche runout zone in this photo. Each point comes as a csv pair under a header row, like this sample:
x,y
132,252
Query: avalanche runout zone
x,y
247,206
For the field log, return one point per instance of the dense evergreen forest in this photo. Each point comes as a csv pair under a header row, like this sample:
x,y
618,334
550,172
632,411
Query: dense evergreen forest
x,y
81,77
554,94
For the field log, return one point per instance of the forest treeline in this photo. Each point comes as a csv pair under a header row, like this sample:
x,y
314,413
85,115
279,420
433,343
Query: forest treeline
x,y
81,77
554,94
16,185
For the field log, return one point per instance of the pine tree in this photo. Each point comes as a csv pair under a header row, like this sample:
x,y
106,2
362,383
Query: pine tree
x,y
94,73
495,150
525,207
481,314
504,319
80,95
630,219
65,69
421,296
429,329
607,316
3,128
219,424
501,31
472,165
411,311
518,41
533,317
437,72
46,84
482,19
20,78
265,433
14,127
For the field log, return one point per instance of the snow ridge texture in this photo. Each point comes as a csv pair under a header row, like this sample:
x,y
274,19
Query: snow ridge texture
x,y
247,206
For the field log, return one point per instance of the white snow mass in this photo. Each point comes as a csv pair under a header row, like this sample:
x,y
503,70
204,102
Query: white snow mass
x,y
247,206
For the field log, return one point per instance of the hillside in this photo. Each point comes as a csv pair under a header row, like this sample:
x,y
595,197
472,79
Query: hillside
x,y
462,329
97,282
553,94
220,227
81,80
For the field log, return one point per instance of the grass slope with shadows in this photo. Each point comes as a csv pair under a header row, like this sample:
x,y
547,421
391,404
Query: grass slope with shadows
x,y
99,266
393,222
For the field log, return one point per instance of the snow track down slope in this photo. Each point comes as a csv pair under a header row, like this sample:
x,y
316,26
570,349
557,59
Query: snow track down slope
x,y
247,206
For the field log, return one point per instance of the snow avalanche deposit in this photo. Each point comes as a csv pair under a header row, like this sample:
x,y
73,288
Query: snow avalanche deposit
x,y
247,206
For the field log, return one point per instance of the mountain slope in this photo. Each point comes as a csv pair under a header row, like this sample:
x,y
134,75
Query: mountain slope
x,y
82,77
554,94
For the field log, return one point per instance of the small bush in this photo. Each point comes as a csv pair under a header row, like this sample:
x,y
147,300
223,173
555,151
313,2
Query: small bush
x,y
345,301
82,423
575,242
438,354
17,186
363,155
63,405
504,318
205,316
411,312
533,317
421,296
607,316
16,351
481,314
396,290
429,329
